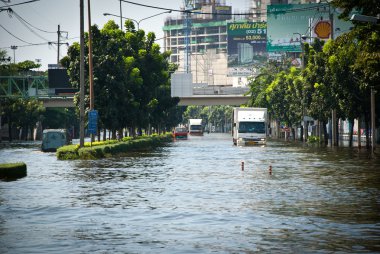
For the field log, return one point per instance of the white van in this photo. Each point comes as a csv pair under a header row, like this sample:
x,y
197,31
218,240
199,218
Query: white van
x,y
53,139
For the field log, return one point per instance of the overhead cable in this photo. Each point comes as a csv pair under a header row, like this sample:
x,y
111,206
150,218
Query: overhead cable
x,y
230,14
14,35
27,2
21,19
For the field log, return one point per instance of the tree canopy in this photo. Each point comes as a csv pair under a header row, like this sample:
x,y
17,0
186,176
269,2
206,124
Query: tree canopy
x,y
131,78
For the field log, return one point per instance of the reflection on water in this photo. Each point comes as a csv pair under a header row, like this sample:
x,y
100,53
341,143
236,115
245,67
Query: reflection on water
x,y
192,197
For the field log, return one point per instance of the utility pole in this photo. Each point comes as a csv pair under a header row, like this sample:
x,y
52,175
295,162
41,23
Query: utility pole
x,y
59,36
81,76
59,43
90,66
121,18
334,137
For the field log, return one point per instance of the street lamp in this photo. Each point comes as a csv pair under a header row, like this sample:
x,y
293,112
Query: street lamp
x,y
304,129
136,21
14,53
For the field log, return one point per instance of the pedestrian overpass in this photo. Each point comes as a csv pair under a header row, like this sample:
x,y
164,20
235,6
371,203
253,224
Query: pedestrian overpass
x,y
36,87
189,93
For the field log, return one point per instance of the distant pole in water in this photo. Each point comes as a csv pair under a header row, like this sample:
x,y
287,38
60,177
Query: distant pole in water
x,y
242,166
270,169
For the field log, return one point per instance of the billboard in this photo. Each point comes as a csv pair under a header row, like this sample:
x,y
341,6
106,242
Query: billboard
x,y
58,78
287,22
246,47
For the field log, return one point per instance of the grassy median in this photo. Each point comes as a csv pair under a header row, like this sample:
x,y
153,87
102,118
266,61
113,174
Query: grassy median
x,y
109,148
12,170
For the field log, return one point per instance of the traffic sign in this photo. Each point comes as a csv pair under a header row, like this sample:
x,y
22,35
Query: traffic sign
x,y
93,122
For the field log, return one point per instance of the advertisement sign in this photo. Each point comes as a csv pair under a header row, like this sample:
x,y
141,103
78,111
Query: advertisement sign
x,y
288,22
246,47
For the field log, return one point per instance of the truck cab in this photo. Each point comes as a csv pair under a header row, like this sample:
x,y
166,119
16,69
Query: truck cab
x,y
195,127
250,126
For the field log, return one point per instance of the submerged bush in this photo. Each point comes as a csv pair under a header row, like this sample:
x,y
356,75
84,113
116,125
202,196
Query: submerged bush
x,y
110,148
12,170
313,139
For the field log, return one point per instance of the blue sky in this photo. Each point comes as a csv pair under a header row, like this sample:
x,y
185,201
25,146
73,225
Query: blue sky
x,y
44,16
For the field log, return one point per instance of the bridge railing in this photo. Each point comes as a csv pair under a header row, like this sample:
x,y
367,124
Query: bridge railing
x,y
22,86
220,90
31,87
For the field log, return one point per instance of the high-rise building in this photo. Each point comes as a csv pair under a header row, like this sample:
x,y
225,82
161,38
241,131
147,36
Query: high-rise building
x,y
206,40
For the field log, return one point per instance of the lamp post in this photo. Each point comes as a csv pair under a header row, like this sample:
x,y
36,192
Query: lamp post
x,y
14,53
136,21
304,129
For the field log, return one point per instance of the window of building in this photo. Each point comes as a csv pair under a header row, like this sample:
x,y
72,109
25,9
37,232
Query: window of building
x,y
174,59
213,30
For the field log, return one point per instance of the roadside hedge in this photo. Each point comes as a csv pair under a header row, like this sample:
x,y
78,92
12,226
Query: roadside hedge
x,y
100,150
12,170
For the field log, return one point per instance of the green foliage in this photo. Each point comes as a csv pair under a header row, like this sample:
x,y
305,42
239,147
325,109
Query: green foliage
x,y
27,65
337,75
112,147
313,139
131,78
12,170
20,112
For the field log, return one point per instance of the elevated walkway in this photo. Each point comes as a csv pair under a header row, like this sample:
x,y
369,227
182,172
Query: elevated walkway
x,y
36,87
191,93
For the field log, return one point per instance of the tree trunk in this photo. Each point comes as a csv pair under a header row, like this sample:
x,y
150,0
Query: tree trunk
x,y
31,133
350,139
337,132
9,129
99,131
294,134
367,141
104,134
325,134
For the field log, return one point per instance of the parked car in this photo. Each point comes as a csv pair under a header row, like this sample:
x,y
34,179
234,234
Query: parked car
x,y
180,133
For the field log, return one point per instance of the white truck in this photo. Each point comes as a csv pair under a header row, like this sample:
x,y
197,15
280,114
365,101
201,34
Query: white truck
x,y
249,126
195,127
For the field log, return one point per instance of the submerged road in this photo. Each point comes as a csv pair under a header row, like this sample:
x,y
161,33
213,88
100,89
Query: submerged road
x,y
193,197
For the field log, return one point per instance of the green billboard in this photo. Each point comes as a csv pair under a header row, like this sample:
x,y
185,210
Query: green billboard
x,y
246,47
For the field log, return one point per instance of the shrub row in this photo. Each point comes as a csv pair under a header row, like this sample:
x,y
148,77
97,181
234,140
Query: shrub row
x,y
12,170
72,152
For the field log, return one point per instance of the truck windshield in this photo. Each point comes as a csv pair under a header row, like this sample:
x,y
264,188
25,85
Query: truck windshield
x,y
252,127
195,127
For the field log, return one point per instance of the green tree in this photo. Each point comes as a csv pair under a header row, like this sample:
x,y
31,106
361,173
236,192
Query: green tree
x,y
21,114
131,78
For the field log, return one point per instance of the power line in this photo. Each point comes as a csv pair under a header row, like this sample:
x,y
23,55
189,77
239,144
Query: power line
x,y
30,29
230,14
21,19
14,35
27,2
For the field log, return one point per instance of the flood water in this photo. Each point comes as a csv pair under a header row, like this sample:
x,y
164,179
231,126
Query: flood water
x,y
193,197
